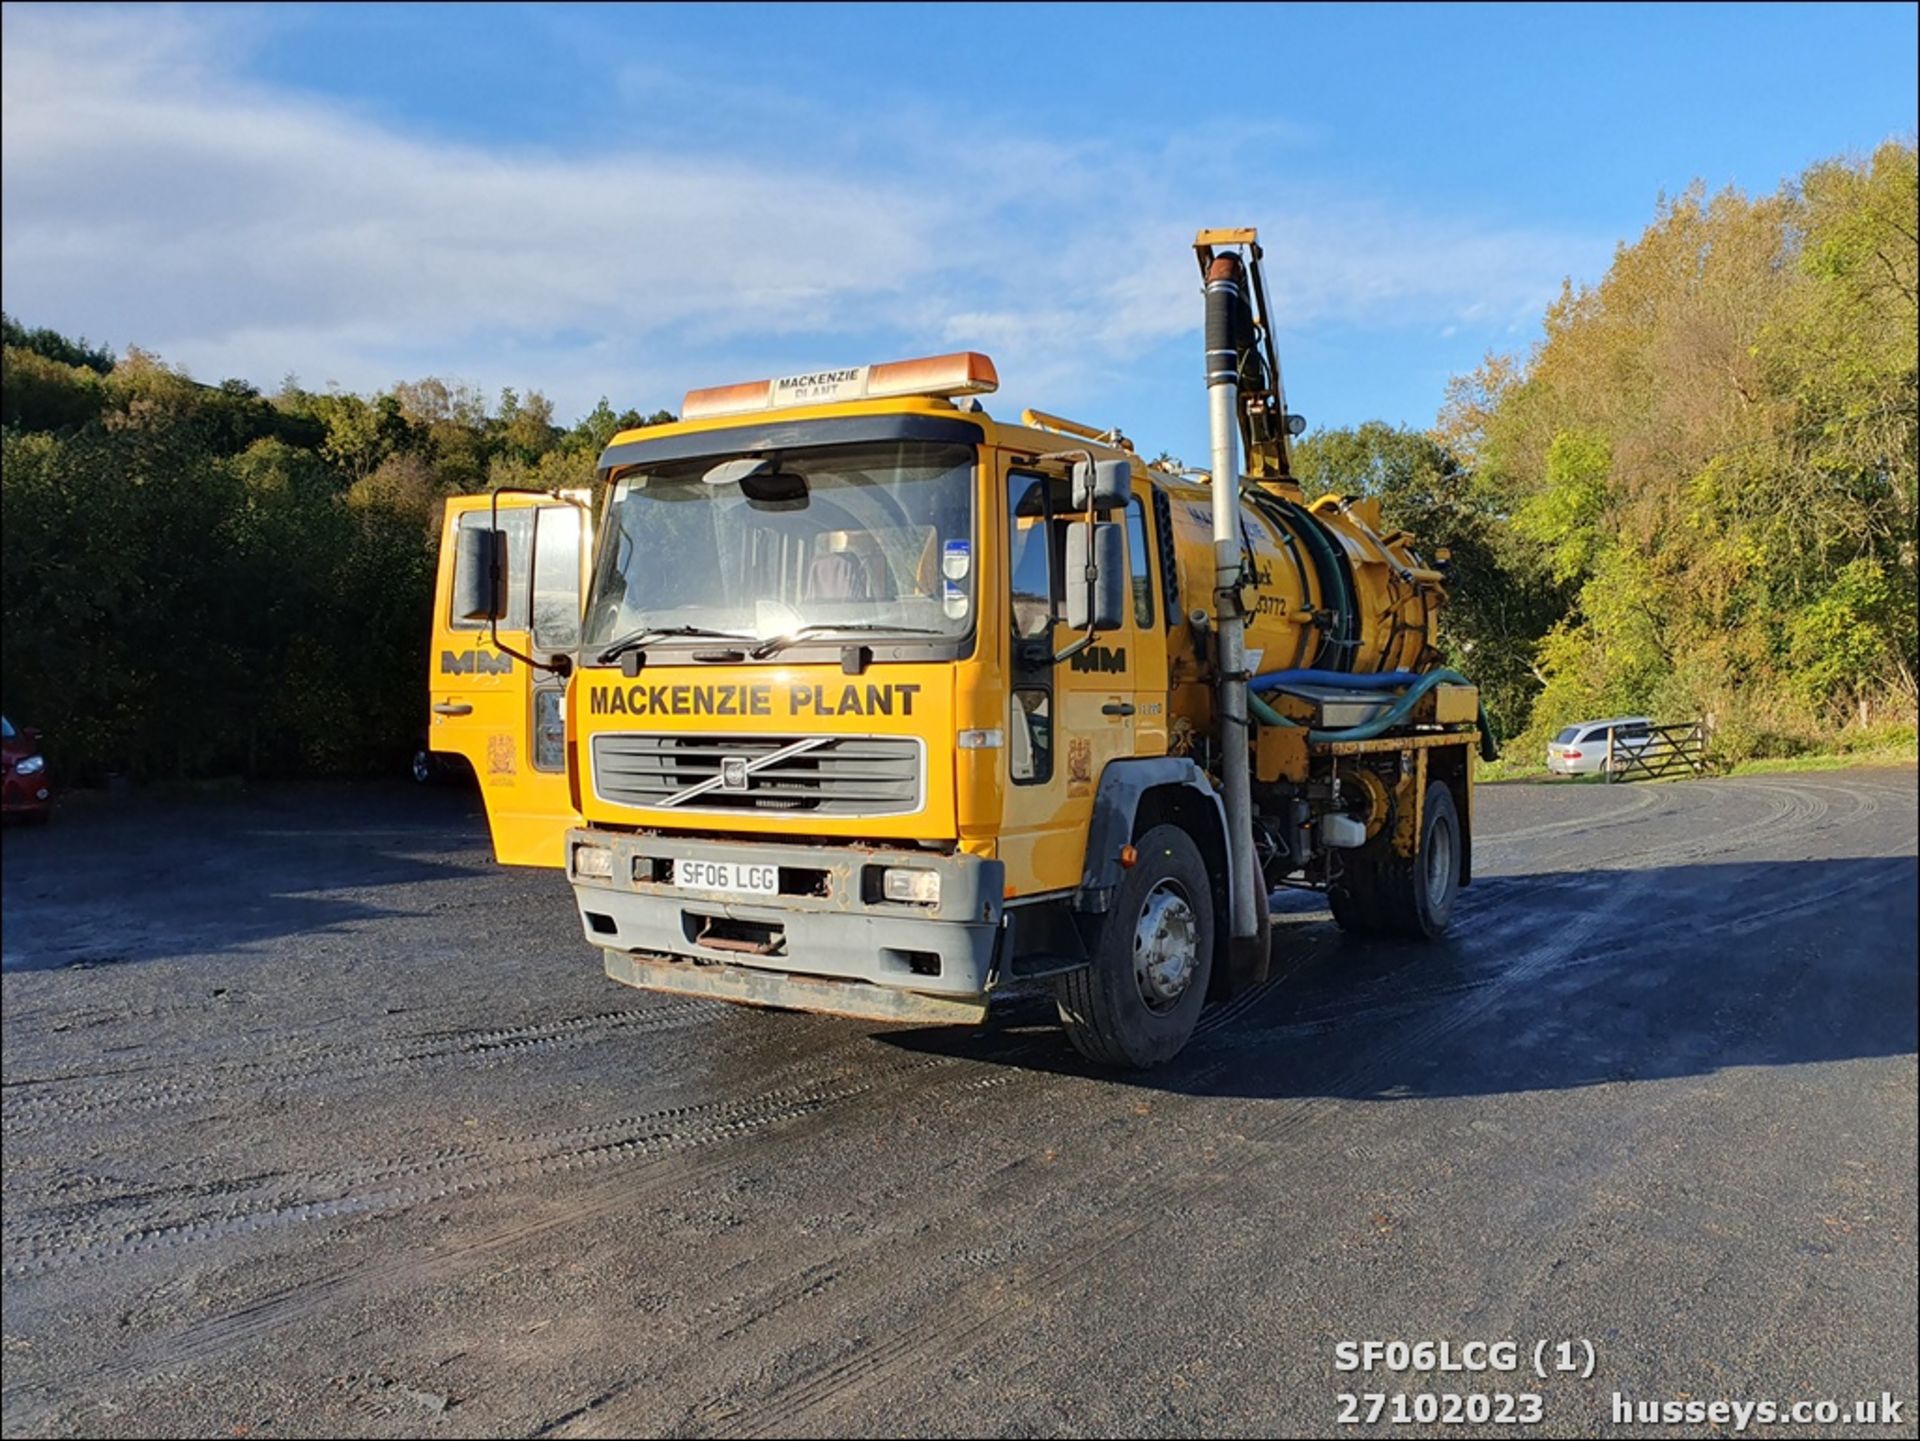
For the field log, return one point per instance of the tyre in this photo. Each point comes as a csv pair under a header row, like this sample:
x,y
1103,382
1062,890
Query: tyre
x,y
1382,894
1136,1003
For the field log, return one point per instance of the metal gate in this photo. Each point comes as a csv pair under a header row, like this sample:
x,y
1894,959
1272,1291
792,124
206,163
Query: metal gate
x,y
1669,750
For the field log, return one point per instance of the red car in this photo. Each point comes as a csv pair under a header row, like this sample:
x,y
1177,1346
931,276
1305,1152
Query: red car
x,y
24,789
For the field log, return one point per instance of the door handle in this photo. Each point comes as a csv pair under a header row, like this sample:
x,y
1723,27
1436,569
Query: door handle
x,y
1117,707
447,707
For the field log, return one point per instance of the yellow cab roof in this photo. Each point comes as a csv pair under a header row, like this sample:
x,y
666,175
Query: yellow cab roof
x,y
1029,439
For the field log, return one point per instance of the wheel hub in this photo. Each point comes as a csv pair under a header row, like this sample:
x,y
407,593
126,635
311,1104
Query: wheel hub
x,y
1165,946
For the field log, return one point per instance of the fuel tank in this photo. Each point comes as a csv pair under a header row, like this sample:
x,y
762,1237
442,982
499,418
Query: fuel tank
x,y
1331,589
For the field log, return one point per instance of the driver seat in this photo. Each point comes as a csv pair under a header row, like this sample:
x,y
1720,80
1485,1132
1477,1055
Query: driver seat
x,y
838,575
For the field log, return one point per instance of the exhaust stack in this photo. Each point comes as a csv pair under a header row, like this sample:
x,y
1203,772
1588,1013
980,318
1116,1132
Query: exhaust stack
x,y
1229,321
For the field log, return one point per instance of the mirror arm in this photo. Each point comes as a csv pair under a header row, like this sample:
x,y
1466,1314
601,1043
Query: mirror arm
x,y
561,665
1075,649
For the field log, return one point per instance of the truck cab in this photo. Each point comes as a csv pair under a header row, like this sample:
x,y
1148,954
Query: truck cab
x,y
829,732
489,705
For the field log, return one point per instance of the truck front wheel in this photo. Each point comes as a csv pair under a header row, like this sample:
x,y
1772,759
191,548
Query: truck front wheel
x,y
1136,1003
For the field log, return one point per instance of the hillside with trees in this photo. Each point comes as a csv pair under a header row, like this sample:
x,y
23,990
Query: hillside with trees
x,y
1695,496
202,580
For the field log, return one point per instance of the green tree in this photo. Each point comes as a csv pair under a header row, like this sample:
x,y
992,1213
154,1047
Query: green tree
x,y
1714,445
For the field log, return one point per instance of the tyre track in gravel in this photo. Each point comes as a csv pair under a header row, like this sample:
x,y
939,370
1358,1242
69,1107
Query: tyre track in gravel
x,y
674,1170
436,1178
299,1071
405,1182
967,1318
390,1183
1629,812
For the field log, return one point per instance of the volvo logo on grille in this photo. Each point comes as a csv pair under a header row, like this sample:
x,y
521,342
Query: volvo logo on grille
x,y
733,773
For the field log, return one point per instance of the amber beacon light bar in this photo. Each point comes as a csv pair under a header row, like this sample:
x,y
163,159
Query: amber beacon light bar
x,y
965,372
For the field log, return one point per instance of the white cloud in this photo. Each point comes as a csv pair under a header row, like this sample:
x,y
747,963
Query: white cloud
x,y
153,194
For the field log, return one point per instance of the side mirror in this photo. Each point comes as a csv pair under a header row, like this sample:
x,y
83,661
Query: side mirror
x,y
1108,483
1096,576
480,574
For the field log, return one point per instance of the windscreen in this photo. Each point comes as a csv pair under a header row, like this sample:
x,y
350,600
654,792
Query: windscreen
x,y
873,537
1566,736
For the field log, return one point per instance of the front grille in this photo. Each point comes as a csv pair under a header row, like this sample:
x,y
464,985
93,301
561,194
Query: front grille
x,y
819,775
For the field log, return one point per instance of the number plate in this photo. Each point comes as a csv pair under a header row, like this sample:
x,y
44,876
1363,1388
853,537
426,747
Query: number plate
x,y
724,876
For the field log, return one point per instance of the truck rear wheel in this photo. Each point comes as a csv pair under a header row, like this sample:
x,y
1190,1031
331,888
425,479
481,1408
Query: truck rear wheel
x,y
1138,1000
1382,894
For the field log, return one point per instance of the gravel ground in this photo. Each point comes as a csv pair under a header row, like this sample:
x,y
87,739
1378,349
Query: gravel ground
x,y
317,1123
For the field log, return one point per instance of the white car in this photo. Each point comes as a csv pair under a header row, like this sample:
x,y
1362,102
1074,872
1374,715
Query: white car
x,y
1581,749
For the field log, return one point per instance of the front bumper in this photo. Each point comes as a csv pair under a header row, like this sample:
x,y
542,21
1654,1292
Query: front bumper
x,y
829,921
25,793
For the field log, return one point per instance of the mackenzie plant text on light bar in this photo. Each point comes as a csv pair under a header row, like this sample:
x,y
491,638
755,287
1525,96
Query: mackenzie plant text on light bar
x,y
965,372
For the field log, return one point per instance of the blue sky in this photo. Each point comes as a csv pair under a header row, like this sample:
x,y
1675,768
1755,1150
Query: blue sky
x,y
635,201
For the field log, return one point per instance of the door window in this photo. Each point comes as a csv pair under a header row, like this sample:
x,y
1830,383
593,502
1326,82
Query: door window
x,y
1032,567
549,729
1138,565
1030,736
556,577
1034,564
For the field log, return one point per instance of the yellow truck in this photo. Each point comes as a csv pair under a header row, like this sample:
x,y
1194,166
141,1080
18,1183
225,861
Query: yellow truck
x,y
872,703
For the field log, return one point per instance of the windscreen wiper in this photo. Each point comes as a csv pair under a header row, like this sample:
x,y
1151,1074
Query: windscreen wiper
x,y
781,642
661,632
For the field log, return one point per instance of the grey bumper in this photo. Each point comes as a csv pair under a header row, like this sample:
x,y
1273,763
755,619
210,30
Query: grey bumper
x,y
829,920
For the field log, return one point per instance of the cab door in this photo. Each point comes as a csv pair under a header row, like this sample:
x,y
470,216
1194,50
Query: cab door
x,y
1153,610
1066,718
506,718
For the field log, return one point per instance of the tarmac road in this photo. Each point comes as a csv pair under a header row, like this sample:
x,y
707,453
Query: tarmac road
x,y
317,1123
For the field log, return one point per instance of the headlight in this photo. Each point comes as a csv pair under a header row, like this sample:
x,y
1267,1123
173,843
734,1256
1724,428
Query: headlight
x,y
922,887
594,861
32,765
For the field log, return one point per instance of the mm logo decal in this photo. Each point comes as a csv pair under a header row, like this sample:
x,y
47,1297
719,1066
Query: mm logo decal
x,y
475,662
1100,658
